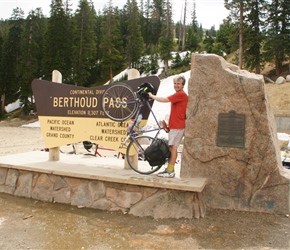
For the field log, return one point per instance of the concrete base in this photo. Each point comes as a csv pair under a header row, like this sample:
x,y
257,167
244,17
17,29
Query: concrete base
x,y
100,183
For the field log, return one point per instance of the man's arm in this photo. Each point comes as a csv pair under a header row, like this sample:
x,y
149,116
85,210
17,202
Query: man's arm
x,y
157,98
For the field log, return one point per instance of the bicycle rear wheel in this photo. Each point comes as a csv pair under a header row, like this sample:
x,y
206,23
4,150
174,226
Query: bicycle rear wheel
x,y
119,102
138,147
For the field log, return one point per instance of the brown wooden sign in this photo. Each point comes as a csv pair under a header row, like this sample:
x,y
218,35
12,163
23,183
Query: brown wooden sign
x,y
70,114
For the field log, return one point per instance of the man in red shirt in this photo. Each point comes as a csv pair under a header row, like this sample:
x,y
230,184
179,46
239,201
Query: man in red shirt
x,y
176,124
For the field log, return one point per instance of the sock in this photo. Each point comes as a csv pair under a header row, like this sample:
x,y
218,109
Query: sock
x,y
170,168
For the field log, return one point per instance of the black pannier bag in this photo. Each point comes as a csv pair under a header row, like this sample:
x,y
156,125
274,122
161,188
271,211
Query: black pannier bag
x,y
157,153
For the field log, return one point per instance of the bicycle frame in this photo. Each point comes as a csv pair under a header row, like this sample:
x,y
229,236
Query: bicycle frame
x,y
132,132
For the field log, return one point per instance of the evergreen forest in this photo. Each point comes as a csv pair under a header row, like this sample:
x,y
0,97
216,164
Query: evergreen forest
x,y
89,48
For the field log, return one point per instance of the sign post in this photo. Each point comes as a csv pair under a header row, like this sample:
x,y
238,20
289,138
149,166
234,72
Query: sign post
x,y
132,74
54,152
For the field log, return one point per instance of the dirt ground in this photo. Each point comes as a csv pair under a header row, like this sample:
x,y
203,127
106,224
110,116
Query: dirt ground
x,y
279,96
30,224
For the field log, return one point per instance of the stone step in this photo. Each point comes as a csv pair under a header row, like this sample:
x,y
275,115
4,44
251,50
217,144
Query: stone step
x,y
102,169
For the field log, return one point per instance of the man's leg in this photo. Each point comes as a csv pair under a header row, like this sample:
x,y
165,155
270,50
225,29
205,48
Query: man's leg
x,y
172,159
175,137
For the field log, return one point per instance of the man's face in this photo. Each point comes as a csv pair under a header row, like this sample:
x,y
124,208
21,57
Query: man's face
x,y
178,85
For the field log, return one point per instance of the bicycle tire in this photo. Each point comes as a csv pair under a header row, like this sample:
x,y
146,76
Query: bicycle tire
x,y
138,147
115,111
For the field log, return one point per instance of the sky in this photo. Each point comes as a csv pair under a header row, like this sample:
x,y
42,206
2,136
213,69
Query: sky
x,y
209,12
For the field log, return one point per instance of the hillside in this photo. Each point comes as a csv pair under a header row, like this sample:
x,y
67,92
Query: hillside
x,y
279,96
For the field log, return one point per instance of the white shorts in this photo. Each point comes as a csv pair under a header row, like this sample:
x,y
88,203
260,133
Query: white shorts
x,y
175,136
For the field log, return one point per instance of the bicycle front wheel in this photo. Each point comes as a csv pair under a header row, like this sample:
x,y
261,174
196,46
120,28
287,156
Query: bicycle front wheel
x,y
119,102
136,150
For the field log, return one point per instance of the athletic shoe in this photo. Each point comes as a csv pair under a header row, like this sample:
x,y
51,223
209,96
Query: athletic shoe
x,y
166,174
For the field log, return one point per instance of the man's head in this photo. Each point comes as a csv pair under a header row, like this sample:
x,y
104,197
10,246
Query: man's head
x,y
180,78
179,83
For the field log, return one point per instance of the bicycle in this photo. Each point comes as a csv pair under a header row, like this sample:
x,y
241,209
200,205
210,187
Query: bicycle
x,y
120,103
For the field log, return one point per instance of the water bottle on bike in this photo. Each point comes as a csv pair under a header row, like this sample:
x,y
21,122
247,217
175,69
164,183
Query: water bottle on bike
x,y
139,118
131,123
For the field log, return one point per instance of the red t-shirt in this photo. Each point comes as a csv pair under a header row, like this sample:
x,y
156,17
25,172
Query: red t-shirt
x,y
178,110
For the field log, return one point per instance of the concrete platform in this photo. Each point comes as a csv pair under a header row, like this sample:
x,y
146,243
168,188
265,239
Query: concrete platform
x,y
97,168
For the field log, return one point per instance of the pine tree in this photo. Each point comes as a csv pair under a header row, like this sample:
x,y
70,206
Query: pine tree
x,y
31,55
146,24
237,13
193,38
134,40
184,31
84,49
10,59
208,44
223,44
157,15
166,40
58,49
95,68
254,16
278,33
111,44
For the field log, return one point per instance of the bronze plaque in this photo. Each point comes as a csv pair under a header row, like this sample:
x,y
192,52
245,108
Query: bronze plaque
x,y
231,130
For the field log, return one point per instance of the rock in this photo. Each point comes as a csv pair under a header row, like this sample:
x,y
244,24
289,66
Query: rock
x,y
231,138
43,188
280,80
165,204
288,78
127,199
283,144
24,186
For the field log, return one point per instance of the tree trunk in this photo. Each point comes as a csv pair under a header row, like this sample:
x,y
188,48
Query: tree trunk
x,y
111,75
166,67
3,103
184,27
241,45
258,68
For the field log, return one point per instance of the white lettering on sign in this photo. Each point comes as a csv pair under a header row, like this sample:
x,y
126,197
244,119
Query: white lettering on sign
x,y
105,124
66,136
114,102
93,112
114,131
81,92
100,92
58,128
75,102
76,112
96,138
55,135
52,121
111,139
68,122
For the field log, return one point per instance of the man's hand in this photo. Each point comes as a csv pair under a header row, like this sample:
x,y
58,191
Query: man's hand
x,y
157,98
150,95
